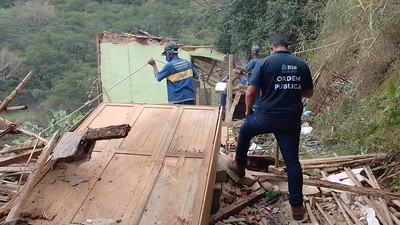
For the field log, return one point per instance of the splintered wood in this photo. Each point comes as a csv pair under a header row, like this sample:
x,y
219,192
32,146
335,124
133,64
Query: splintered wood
x,y
350,191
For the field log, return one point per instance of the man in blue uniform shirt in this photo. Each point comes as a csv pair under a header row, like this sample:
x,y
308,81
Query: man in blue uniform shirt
x,y
179,74
283,80
249,68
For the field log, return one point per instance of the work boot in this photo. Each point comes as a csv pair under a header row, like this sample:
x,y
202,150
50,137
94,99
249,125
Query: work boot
x,y
298,212
239,170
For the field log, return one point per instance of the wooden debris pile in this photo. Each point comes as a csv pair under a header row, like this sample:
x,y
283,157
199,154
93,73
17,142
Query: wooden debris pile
x,y
23,166
16,164
343,190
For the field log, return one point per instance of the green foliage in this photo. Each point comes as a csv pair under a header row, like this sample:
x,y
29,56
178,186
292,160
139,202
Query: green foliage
x,y
250,23
57,39
359,41
70,87
392,111
57,120
6,3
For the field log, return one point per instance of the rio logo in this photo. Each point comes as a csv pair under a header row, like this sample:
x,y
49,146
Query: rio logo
x,y
288,67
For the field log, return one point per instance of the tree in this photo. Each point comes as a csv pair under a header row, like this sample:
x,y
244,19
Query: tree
x,y
6,3
10,70
244,24
34,15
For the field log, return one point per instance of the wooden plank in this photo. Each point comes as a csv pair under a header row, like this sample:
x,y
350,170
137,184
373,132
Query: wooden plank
x,y
328,220
135,216
16,108
108,132
17,158
24,146
172,200
36,175
310,214
229,88
236,206
208,175
119,183
337,159
238,94
332,185
12,169
193,142
20,86
145,129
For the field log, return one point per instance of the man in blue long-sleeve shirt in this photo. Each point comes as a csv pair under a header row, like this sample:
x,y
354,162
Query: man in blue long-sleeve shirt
x,y
180,75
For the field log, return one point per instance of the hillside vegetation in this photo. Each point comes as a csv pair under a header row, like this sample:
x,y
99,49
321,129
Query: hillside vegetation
x,y
358,41
366,116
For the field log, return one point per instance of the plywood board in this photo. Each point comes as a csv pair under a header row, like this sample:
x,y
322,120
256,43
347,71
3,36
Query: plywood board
x,y
161,173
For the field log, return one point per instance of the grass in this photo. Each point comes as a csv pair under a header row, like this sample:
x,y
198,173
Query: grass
x,y
367,55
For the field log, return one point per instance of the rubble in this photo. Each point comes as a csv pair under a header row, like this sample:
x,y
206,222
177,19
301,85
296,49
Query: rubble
x,y
349,193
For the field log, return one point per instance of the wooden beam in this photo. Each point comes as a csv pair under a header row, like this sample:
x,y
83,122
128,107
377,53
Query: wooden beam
x,y
78,145
6,161
16,108
7,123
12,169
205,71
109,132
229,91
238,94
310,214
21,147
332,185
211,61
336,159
349,163
21,85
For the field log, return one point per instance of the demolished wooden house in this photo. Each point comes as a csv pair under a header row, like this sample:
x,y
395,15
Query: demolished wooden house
x,y
123,57
161,165
125,77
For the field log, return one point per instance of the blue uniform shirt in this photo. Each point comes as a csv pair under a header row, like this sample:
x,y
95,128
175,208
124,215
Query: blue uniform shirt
x,y
180,84
281,78
250,66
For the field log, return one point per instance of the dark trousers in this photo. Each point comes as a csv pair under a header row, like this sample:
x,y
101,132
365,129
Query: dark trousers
x,y
286,129
189,102
223,99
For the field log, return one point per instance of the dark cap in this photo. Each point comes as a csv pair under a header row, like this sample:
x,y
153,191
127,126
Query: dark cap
x,y
279,40
219,70
170,47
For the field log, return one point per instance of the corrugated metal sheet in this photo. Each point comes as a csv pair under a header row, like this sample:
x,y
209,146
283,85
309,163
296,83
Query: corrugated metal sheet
x,y
161,173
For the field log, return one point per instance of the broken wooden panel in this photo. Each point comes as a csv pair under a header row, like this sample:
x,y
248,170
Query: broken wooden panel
x,y
69,145
129,182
